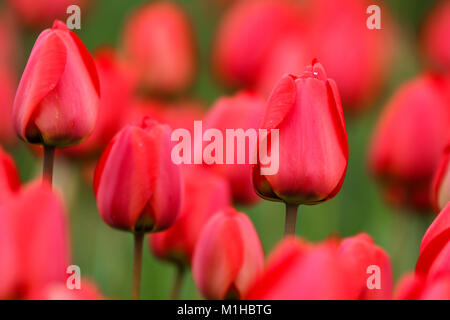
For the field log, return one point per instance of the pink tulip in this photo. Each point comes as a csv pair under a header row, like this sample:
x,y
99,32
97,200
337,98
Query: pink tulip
x,y
159,43
409,139
244,110
136,184
205,194
228,256
9,177
59,291
57,98
441,182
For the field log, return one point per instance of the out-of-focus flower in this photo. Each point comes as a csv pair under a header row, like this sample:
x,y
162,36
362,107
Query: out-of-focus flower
x,y
37,240
329,270
441,182
431,279
435,35
60,291
41,13
116,89
356,57
244,110
159,45
228,256
9,177
313,147
205,194
409,139
246,35
57,98
136,184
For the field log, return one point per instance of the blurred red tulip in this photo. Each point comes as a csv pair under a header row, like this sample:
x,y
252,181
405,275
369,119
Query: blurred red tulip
x,y
228,256
329,270
116,87
41,13
356,57
313,147
57,98
9,177
59,291
205,194
409,139
159,43
136,184
441,182
244,110
38,239
435,35
246,35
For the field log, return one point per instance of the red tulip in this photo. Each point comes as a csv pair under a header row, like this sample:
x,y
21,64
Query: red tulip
x,y
9,177
228,256
356,57
437,29
116,87
441,182
136,184
38,239
205,194
43,12
242,111
415,287
409,139
159,43
246,35
313,148
57,98
59,291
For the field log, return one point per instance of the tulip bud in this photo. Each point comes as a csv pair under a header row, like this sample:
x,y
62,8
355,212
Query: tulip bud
x,y
228,256
437,28
57,98
313,147
441,182
136,184
9,177
409,139
159,43
242,111
205,194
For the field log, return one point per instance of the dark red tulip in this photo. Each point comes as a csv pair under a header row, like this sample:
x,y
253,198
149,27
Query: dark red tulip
x,y
441,182
57,98
246,35
159,43
228,256
244,110
136,184
436,31
313,148
9,177
205,194
409,139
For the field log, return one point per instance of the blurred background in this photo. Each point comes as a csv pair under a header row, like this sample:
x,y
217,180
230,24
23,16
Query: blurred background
x,y
105,255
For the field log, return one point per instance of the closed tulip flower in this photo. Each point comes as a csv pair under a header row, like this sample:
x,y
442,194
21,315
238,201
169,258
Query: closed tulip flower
x,y
228,256
441,182
159,43
244,110
436,29
409,139
313,147
137,186
9,177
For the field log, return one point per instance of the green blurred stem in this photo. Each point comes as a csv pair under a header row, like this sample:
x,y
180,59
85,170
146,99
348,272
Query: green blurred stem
x,y
137,266
49,158
291,219
179,276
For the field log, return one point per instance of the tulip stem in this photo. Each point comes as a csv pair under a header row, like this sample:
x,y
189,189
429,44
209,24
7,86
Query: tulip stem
x,y
137,265
175,294
291,219
49,158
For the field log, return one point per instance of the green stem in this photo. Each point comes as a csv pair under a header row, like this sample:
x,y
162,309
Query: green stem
x,y
137,266
176,289
49,158
291,219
